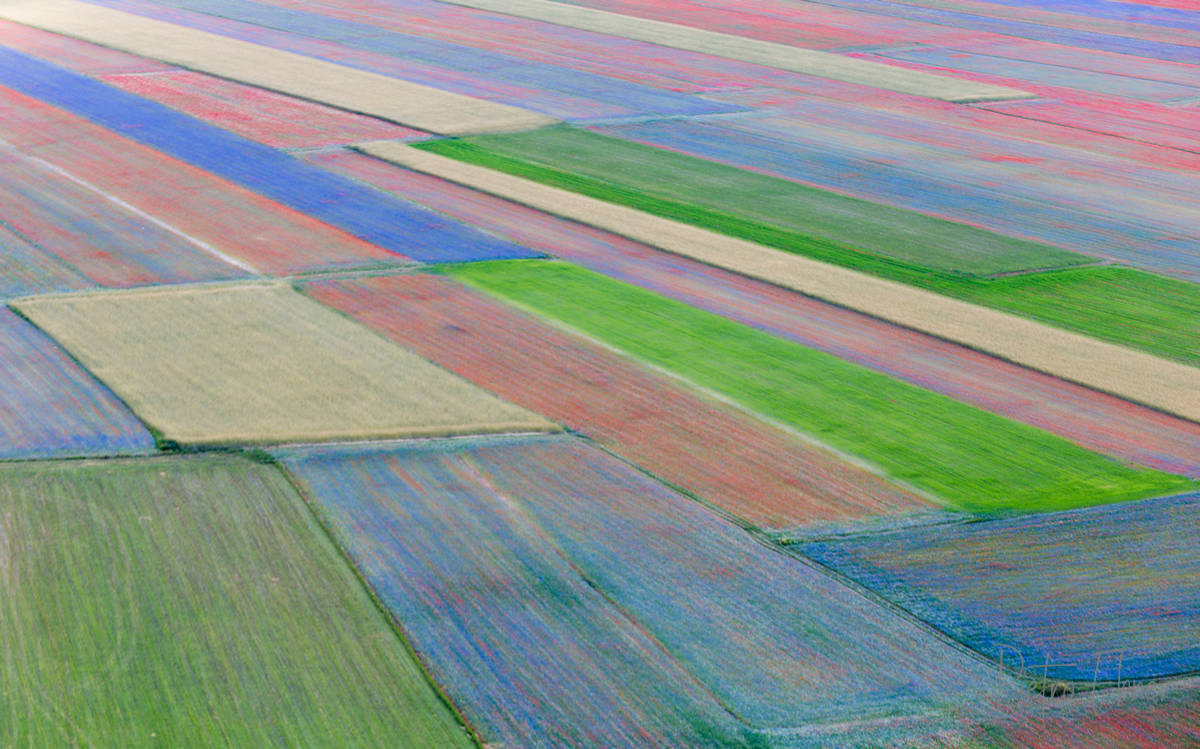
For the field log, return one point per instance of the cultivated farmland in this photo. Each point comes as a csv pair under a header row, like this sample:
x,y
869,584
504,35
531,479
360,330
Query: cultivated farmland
x,y
51,407
971,459
770,639
907,246
1097,595
190,600
729,459
261,364
777,374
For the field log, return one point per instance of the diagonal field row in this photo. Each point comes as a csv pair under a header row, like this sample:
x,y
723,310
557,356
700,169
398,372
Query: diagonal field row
x,y
728,459
264,116
888,242
1094,420
112,172
968,458
420,106
1133,375
347,205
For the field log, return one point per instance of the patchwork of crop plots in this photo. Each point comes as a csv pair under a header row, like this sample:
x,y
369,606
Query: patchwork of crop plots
x,y
752,469
450,534
903,245
1082,415
967,457
505,373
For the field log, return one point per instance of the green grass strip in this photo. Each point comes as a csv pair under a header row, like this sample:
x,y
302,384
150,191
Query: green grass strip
x,y
974,460
192,602
1127,306
1122,305
741,202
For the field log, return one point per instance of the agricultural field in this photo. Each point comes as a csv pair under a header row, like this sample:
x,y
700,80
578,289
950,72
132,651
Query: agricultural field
x,y
250,364
580,373
175,600
1103,594
689,579
966,457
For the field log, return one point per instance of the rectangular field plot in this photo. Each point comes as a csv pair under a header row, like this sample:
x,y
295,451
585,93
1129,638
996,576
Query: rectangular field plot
x,y
973,460
188,602
563,597
261,363
51,407
516,636
1107,593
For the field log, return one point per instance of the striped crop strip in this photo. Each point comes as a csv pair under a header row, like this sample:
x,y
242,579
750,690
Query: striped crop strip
x,y
1133,375
362,211
769,54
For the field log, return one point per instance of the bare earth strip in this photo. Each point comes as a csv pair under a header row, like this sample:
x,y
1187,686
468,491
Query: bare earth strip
x,y
391,99
263,364
770,54
1129,374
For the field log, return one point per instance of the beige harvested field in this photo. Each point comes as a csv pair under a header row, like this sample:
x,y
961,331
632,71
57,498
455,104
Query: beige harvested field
x,y
770,54
261,363
1134,375
411,104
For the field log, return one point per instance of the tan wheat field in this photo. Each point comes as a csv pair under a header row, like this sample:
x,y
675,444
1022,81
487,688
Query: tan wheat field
x,y
261,363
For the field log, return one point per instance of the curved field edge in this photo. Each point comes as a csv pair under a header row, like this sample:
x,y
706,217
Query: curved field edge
x,y
182,600
1122,305
969,458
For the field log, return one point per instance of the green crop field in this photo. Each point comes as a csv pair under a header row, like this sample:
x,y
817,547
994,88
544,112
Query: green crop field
x,y
971,459
192,602
741,202
1122,305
